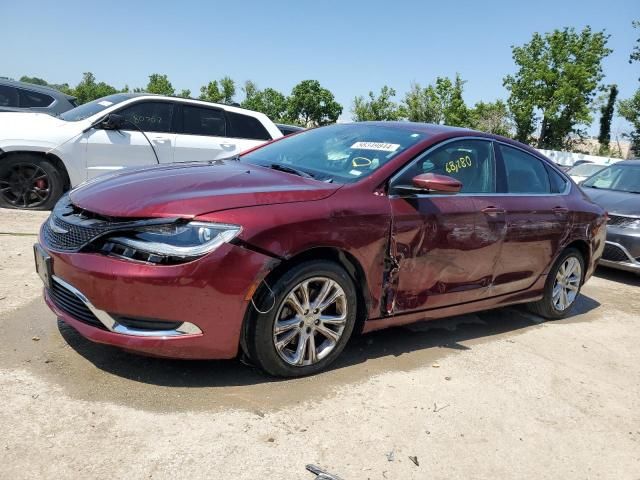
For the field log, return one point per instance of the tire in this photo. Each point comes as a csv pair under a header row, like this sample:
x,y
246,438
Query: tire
x,y
28,181
550,307
327,337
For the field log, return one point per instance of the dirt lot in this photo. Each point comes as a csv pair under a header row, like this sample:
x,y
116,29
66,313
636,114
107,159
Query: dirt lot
x,y
495,395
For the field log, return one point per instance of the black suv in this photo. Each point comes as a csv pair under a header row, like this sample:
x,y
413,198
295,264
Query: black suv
x,y
20,97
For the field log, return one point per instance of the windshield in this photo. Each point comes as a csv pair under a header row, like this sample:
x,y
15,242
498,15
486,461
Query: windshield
x,y
88,109
343,153
623,178
585,169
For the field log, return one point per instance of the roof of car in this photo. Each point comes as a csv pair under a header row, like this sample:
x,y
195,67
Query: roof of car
x,y
429,128
631,161
36,88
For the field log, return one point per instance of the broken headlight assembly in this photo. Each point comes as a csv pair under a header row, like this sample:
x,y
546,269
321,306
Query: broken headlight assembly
x,y
169,243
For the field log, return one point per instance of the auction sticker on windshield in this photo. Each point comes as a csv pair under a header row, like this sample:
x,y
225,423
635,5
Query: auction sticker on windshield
x,y
383,147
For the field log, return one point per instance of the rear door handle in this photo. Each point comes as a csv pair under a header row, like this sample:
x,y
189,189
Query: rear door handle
x,y
560,210
493,211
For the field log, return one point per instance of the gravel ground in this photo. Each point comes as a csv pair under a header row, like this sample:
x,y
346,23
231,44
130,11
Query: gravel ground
x,y
500,394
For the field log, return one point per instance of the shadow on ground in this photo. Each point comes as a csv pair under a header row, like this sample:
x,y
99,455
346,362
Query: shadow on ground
x,y
425,341
628,278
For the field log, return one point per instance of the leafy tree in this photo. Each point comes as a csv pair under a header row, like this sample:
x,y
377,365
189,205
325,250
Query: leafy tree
x,y
219,92
635,52
311,105
629,109
185,93
439,103
268,101
160,84
88,89
558,76
606,115
34,80
491,118
422,104
380,108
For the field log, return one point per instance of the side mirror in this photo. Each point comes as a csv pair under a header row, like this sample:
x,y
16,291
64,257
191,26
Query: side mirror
x,y
113,121
433,182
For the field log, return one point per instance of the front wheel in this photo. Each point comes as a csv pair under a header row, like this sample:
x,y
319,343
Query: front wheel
x,y
28,181
312,315
562,287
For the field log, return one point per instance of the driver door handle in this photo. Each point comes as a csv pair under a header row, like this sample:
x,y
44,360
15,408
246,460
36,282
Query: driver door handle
x,y
492,211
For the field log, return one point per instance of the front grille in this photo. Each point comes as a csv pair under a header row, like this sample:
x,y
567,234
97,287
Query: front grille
x,y
69,303
614,253
620,220
74,239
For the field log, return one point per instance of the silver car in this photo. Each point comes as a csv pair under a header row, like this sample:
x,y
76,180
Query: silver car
x,y
617,190
27,97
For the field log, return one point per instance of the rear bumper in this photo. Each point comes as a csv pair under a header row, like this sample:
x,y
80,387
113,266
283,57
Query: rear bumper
x,y
202,301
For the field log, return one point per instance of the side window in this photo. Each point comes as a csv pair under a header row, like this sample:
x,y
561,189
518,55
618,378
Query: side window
x,y
148,116
203,121
8,96
558,183
524,173
469,161
30,99
244,126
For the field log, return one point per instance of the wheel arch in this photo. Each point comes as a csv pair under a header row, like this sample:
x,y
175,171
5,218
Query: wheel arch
x,y
583,247
57,162
339,256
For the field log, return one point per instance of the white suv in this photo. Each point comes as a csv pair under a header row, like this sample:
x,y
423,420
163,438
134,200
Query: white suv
x,y
41,156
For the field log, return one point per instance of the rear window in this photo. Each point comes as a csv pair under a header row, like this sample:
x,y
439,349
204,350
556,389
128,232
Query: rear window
x,y
8,96
203,121
524,173
29,99
244,126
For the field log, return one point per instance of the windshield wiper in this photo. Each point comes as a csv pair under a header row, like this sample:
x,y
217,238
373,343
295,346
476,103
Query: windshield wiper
x,y
287,169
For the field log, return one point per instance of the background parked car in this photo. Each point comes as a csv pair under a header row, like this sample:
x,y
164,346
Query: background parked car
x,y
583,171
617,189
288,129
20,97
42,156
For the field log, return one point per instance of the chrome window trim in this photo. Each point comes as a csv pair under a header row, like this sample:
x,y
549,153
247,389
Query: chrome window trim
x,y
186,328
566,191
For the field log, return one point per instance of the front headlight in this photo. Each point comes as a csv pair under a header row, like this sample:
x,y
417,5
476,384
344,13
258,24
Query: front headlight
x,y
171,243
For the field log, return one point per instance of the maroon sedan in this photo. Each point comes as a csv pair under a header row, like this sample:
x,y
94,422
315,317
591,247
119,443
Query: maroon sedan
x,y
285,252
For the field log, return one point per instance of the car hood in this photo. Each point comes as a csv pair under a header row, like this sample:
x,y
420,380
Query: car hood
x,y
623,203
189,190
36,126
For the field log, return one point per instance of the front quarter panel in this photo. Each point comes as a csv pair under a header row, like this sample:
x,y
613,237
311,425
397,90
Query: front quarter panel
x,y
356,223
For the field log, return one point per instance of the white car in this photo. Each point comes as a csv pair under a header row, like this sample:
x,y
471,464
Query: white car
x,y
42,156
583,171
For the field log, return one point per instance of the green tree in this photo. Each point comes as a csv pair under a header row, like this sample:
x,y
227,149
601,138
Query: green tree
x,y
377,108
439,103
635,52
422,104
219,92
159,84
33,80
629,109
606,116
185,93
268,101
491,117
558,76
311,105
88,89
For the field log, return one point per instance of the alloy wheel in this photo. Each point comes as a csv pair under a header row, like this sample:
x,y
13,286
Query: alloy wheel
x,y
310,321
25,185
567,283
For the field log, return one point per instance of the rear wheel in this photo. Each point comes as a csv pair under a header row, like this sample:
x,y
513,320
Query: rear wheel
x,y
312,315
28,181
562,287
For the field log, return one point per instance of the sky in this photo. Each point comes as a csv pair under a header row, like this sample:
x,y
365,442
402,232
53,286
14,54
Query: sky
x,y
351,47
